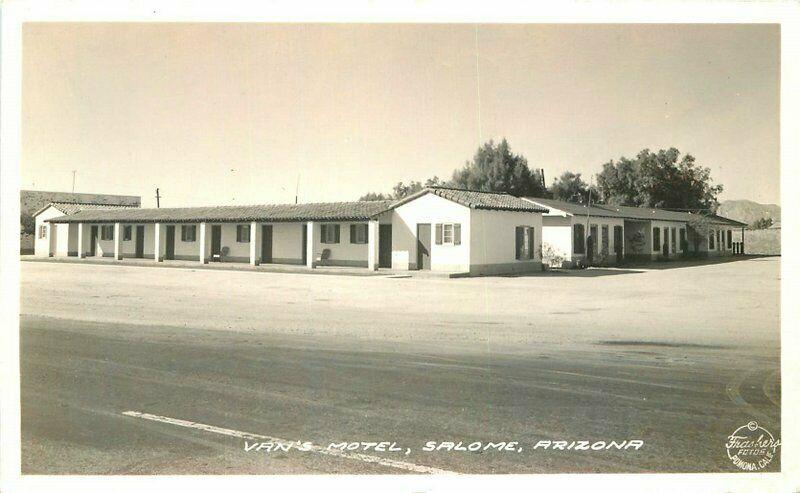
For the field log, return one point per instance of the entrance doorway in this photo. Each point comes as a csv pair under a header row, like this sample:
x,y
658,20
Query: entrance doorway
x,y
170,253
216,240
266,243
93,242
139,241
385,246
423,246
618,242
305,244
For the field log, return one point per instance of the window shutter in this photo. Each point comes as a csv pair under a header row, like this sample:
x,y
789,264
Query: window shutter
x,y
457,234
438,234
336,233
531,243
520,239
352,233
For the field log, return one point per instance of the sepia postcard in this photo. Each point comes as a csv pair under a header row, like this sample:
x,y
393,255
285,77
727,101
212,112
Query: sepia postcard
x,y
386,249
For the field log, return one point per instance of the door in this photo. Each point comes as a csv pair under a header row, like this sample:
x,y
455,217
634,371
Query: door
x,y
139,241
266,243
618,242
304,254
591,244
423,246
216,239
93,242
170,253
385,246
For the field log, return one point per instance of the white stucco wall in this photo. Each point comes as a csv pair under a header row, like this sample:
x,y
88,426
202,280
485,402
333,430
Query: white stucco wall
x,y
493,241
344,252
430,209
557,232
669,225
42,246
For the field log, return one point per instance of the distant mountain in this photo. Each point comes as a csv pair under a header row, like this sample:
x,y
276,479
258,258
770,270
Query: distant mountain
x,y
31,201
748,211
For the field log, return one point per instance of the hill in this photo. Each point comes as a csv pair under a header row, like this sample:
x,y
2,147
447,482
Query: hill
x,y
31,201
748,211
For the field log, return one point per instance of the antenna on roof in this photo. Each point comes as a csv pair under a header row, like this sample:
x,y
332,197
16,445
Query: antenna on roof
x,y
74,172
158,199
296,188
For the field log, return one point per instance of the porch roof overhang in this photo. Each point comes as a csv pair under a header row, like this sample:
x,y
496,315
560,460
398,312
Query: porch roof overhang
x,y
321,212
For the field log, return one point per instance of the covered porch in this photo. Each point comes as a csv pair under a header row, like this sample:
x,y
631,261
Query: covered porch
x,y
309,244
358,238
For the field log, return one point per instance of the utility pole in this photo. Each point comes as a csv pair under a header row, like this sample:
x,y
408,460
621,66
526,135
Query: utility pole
x,y
588,231
158,199
74,172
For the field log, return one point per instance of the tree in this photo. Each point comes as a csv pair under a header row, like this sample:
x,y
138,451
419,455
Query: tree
x,y
570,187
402,190
372,196
494,168
763,223
662,179
27,224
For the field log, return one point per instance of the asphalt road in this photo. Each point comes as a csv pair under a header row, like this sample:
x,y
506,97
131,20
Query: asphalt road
x,y
78,377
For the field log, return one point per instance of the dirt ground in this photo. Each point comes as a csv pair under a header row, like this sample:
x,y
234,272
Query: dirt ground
x,y
721,304
678,355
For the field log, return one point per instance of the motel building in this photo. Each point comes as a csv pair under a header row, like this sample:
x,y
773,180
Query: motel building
x,y
605,234
438,229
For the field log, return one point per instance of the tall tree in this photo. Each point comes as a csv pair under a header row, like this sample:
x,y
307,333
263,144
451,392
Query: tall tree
x,y
570,187
662,179
494,168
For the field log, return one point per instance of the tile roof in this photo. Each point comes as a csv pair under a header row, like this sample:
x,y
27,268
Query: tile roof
x,y
333,211
70,208
628,212
476,199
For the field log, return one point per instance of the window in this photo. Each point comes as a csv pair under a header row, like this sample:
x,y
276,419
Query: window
x,y
329,233
107,232
604,239
43,231
525,243
243,233
711,241
358,233
656,239
189,233
593,238
683,239
448,234
578,239
673,241
618,241
447,237
719,247
730,239
127,232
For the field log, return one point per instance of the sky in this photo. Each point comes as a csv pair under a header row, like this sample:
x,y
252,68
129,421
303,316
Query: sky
x,y
225,114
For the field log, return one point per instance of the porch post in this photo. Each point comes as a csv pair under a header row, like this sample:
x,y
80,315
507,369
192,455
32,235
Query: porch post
x,y
310,244
81,249
117,241
203,243
157,250
372,244
741,252
255,244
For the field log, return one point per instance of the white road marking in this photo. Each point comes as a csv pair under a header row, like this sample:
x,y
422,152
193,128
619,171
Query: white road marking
x,y
314,448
